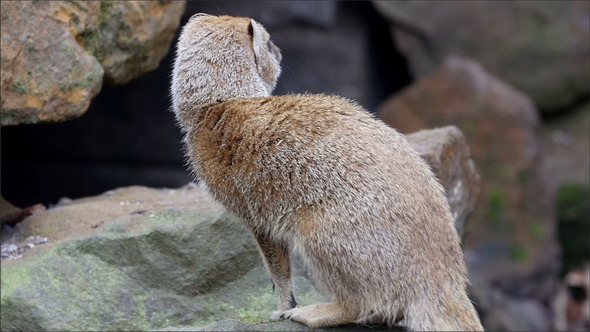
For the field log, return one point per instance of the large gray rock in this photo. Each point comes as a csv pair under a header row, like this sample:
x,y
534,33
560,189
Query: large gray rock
x,y
150,259
55,54
135,259
540,47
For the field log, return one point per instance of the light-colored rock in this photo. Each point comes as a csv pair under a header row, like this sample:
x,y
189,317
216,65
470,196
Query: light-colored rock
x,y
6,209
111,265
55,54
447,153
132,37
540,47
46,74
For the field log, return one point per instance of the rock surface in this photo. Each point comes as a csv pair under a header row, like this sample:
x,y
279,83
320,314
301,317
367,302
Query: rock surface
x,y
447,153
540,47
512,240
56,54
158,259
566,141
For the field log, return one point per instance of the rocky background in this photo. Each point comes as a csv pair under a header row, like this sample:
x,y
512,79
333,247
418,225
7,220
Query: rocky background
x,y
512,78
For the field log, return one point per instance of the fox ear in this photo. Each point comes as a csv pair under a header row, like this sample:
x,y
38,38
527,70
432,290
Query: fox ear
x,y
257,33
197,15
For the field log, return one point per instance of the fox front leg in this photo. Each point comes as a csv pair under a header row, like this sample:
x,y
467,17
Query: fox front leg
x,y
278,265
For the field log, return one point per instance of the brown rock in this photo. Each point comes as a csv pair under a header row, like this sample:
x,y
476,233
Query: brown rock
x,y
46,74
54,53
85,216
513,233
447,153
540,47
12,218
134,36
7,210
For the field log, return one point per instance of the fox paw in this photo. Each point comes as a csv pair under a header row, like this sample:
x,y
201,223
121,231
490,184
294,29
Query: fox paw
x,y
319,315
277,315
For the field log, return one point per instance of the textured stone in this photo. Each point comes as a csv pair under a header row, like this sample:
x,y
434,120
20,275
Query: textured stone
x,y
133,259
133,36
540,47
46,74
512,236
447,153
55,53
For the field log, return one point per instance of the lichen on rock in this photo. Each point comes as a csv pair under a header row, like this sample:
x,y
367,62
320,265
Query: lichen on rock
x,y
55,55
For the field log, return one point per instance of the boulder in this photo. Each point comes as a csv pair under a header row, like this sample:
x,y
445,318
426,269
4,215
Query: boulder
x,y
512,240
137,258
134,259
446,151
56,54
540,47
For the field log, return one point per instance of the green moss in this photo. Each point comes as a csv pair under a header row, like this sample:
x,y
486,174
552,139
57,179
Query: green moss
x,y
573,211
536,230
106,11
12,274
498,171
90,40
83,291
525,177
496,209
19,87
518,253
145,272
77,4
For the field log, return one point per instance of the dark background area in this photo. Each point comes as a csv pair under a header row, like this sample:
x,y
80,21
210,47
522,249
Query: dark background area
x,y
128,135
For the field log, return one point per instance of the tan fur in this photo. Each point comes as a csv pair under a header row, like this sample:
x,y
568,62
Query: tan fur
x,y
320,176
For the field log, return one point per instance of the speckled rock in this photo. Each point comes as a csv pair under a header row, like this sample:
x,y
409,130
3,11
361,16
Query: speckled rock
x,y
56,54
137,259
447,152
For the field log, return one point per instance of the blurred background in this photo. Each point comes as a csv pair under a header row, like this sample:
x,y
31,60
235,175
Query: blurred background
x,y
128,135
513,76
